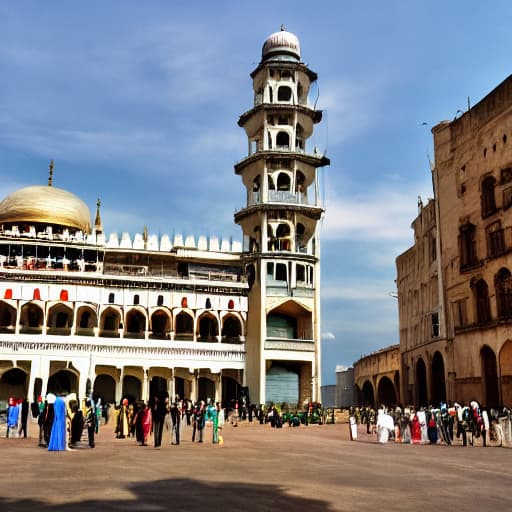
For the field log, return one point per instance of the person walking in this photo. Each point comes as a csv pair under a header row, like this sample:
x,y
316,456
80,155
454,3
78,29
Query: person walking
x,y
90,421
159,410
175,422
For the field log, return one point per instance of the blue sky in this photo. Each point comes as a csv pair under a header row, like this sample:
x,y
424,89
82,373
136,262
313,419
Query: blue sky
x,y
138,101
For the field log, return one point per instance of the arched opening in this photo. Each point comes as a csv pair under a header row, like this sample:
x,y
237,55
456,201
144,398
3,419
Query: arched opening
x,y
179,387
206,389
283,237
104,388
283,182
109,323
421,384
282,140
7,318
132,388
386,392
87,320
31,321
284,93
230,392
299,137
160,325
208,328
13,383
256,187
483,307
503,283
282,384
158,387
491,396
300,239
506,373
367,394
60,320
184,327
63,382
135,324
438,380
231,329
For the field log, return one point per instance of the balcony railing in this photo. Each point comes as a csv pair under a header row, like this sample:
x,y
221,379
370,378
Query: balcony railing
x,y
296,345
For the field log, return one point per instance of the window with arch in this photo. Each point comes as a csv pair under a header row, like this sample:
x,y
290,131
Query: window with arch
x,y
283,182
488,196
483,307
208,328
111,298
184,326
136,299
300,232
160,300
495,240
184,302
299,134
282,140
37,294
503,283
284,93
64,295
231,329
467,246
256,186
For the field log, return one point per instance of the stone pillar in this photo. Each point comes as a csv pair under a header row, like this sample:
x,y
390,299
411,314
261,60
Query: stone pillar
x,y
193,388
145,385
31,381
171,386
119,387
218,387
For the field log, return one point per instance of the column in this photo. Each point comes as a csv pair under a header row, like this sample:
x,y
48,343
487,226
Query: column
x,y
119,387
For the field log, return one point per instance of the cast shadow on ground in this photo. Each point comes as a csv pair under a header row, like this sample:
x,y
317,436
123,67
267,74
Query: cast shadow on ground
x,y
181,495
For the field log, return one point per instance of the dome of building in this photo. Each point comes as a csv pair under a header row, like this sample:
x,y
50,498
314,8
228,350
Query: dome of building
x,y
281,44
45,205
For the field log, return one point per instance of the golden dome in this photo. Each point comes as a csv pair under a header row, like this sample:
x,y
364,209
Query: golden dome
x,y
45,205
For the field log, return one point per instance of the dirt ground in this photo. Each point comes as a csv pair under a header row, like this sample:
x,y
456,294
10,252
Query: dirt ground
x,y
314,468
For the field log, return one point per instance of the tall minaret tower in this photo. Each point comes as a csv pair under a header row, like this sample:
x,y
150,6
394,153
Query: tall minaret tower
x,y
280,228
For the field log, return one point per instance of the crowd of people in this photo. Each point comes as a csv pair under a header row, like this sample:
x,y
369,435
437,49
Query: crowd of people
x,y
141,419
427,425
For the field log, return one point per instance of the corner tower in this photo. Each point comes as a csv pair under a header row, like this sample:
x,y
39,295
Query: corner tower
x,y
280,228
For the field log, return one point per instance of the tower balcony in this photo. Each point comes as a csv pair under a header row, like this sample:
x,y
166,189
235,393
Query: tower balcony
x,y
315,159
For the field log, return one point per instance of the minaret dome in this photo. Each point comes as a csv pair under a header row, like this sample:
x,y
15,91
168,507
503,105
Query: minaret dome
x,y
281,45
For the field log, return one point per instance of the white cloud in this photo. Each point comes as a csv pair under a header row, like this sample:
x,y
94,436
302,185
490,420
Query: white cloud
x,y
328,336
379,214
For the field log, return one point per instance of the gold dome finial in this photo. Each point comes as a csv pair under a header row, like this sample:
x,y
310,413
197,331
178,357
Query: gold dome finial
x,y
97,221
50,177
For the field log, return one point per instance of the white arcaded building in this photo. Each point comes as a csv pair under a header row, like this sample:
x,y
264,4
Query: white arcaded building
x,y
123,316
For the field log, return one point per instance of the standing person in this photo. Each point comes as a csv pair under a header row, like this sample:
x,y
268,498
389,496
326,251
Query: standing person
x,y
24,417
90,421
218,422
159,411
58,432
147,423
175,421
199,422
77,424
98,408
12,417
48,416
123,425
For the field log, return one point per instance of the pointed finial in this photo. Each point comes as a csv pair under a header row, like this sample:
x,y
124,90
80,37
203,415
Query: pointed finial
x,y
50,177
282,27
97,221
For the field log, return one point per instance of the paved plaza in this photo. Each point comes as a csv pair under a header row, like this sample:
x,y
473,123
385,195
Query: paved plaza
x,y
314,468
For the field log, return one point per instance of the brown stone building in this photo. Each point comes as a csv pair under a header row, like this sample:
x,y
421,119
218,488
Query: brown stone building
x,y
455,283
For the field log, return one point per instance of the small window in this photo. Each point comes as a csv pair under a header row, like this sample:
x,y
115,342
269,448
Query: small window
x,y
301,273
8,293
111,298
184,302
136,300
208,304
281,272
64,295
231,304
284,93
37,294
160,300
270,269
435,325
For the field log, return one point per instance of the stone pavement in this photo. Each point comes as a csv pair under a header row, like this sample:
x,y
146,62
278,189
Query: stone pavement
x,y
314,468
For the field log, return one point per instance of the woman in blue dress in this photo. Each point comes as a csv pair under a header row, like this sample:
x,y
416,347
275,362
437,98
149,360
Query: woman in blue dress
x,y
58,438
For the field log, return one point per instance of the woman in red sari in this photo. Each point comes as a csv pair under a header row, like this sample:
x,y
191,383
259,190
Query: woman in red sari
x,y
147,422
415,429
